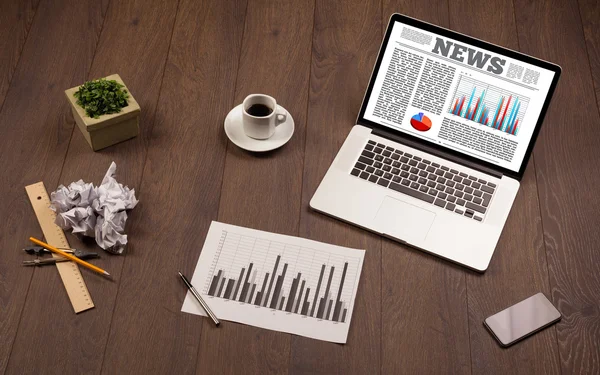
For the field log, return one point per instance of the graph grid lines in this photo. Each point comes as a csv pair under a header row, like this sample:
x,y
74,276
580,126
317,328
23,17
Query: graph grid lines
x,y
488,105
279,276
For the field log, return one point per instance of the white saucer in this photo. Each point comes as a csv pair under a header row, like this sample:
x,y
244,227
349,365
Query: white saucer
x,y
235,132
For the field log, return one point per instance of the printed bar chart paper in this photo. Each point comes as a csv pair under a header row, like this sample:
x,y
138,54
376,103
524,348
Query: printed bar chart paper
x,y
277,282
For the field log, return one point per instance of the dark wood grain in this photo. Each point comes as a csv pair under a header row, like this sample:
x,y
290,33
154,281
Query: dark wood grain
x,y
518,268
188,63
141,46
264,191
345,43
590,18
34,137
180,194
15,20
424,298
566,158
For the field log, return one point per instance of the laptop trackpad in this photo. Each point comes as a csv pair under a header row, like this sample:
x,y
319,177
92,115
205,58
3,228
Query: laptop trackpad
x,y
402,220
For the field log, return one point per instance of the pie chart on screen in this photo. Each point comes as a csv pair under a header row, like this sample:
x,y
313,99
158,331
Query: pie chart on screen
x,y
420,122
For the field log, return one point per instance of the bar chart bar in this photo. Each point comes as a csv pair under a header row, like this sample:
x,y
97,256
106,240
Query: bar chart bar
x,y
251,293
221,284
274,300
325,306
237,284
462,102
497,111
321,308
312,311
229,288
259,295
344,316
245,285
266,300
213,285
501,121
305,304
258,299
292,295
326,296
328,309
298,300
343,306
248,290
277,291
338,301
469,104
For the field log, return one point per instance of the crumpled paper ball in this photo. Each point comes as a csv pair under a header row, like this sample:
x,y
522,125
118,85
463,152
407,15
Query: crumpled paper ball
x,y
98,212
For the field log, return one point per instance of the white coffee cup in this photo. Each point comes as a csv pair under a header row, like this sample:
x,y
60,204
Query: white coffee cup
x,y
263,118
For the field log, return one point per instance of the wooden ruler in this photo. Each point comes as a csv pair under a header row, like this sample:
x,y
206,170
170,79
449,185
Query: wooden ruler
x,y
69,272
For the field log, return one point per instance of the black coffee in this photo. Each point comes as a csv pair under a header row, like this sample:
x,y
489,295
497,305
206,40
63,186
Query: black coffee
x,y
259,110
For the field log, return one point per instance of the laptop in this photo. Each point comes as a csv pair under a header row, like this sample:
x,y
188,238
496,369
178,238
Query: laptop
x,y
444,133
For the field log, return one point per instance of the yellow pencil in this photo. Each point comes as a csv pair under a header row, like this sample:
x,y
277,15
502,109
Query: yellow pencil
x,y
68,256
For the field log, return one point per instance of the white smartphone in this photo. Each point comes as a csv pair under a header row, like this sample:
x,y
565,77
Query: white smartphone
x,y
522,319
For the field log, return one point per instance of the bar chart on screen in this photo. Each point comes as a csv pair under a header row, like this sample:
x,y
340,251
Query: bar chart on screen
x,y
488,105
278,282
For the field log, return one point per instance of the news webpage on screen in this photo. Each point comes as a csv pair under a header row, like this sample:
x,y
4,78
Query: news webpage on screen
x,y
463,97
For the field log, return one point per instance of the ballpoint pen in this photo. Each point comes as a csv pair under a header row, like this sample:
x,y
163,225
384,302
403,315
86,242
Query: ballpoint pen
x,y
200,299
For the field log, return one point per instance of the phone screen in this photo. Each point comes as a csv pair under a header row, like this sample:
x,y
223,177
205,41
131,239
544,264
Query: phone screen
x,y
522,319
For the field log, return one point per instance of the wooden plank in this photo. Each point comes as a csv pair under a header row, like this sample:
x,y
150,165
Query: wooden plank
x,y
263,191
271,182
147,37
518,268
345,44
590,18
180,193
15,20
566,158
58,52
517,271
423,297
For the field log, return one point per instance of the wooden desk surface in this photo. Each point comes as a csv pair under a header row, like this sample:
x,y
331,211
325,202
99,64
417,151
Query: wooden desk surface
x,y
187,63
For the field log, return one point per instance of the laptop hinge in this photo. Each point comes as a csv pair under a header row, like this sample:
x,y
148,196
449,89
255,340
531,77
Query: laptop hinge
x,y
436,152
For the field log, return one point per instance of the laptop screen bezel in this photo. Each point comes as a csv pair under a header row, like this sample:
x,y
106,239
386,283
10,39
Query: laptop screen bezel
x,y
446,151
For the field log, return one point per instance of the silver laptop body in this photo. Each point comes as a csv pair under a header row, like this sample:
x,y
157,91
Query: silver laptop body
x,y
441,142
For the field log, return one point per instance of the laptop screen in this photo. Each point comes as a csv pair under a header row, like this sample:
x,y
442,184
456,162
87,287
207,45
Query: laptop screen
x,y
458,95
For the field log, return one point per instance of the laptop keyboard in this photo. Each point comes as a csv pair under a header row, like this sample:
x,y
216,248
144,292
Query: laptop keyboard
x,y
420,178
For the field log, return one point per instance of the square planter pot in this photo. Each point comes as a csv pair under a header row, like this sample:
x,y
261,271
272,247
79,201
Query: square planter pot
x,y
107,129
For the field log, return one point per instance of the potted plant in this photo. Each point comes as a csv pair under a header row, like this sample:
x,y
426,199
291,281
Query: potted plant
x,y
105,111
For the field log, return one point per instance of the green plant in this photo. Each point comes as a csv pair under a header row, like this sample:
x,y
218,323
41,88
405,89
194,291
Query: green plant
x,y
101,97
